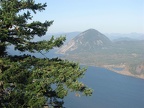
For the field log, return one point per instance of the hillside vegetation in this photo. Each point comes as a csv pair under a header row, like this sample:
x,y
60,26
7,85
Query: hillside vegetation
x,y
123,54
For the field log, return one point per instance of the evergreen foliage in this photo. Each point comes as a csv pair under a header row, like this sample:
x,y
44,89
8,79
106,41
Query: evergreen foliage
x,y
25,80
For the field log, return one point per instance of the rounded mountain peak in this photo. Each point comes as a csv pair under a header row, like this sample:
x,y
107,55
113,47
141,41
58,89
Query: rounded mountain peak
x,y
91,36
89,40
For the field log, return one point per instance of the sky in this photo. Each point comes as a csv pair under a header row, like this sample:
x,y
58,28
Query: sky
x,y
106,16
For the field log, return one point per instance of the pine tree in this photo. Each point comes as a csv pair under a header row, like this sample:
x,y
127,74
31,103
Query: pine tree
x,y
25,80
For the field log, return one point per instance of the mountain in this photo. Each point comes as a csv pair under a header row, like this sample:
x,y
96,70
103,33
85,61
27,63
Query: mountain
x,y
89,40
68,35
116,36
124,39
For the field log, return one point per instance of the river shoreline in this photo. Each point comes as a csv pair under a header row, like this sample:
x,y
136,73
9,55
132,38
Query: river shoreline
x,y
123,71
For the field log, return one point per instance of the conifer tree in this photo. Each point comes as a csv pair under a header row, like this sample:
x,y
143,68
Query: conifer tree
x,y
25,80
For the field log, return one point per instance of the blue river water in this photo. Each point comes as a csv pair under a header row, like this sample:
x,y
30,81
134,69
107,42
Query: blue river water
x,y
111,90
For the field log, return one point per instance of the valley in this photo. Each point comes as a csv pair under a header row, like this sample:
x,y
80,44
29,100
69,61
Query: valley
x,y
128,55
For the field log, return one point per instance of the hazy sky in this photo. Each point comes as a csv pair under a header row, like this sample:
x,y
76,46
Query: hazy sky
x,y
106,16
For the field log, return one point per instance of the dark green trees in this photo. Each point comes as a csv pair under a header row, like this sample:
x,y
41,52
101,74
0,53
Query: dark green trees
x,y
27,81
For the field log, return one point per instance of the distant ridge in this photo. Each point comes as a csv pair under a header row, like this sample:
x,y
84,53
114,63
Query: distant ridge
x,y
89,40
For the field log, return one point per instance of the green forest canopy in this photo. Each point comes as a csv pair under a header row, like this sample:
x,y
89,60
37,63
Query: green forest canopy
x,y
25,80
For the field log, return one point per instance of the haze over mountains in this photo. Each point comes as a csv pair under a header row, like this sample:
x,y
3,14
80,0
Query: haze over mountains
x,y
111,36
89,40
94,48
128,36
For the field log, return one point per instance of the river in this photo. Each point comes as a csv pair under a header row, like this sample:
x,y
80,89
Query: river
x,y
111,90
